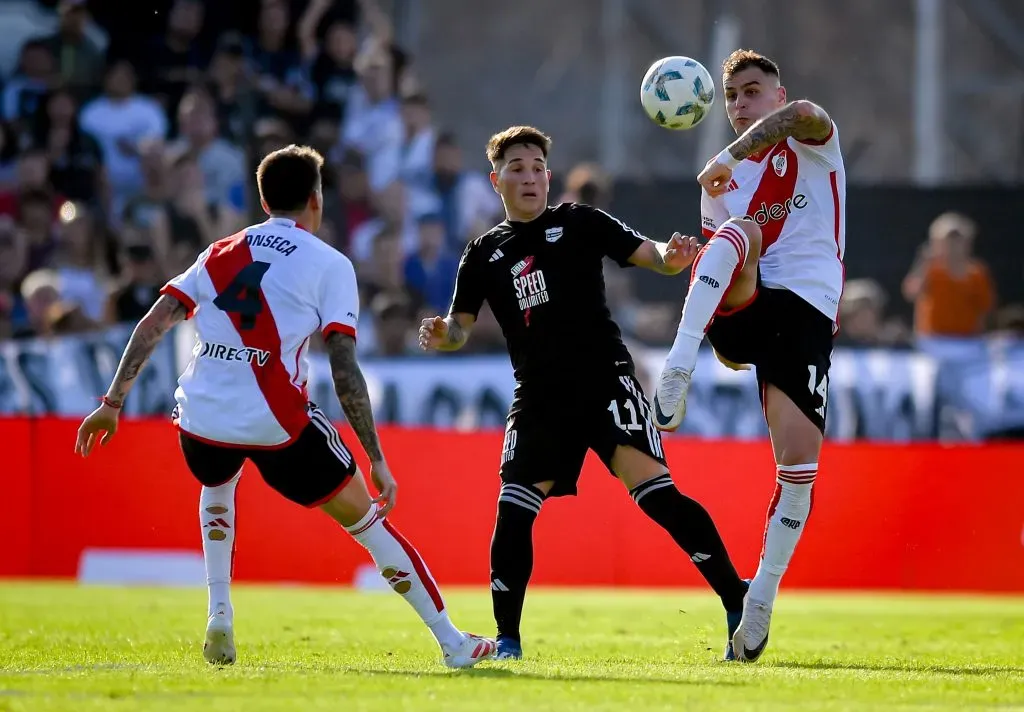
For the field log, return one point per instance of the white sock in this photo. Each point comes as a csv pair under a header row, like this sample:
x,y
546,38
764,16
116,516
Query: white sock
x,y
787,516
713,271
217,518
402,567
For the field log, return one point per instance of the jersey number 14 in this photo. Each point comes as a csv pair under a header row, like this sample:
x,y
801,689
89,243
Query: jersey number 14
x,y
242,295
818,386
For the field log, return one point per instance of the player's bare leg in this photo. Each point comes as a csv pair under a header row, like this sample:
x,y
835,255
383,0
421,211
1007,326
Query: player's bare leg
x,y
403,568
796,442
217,519
512,560
687,522
723,275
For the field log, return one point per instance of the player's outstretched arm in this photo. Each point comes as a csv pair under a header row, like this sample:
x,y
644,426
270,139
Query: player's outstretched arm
x,y
165,313
670,257
446,334
162,317
350,386
801,119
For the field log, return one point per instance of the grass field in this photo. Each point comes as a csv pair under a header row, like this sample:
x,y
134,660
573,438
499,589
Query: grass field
x,y
64,647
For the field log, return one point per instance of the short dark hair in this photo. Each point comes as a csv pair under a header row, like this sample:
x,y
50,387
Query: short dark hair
x,y
288,176
743,58
513,136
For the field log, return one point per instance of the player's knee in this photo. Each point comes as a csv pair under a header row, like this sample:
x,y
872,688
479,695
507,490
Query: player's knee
x,y
350,503
752,231
521,503
634,468
797,441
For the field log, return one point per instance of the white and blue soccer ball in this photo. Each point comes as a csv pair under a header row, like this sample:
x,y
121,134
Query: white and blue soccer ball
x,y
677,92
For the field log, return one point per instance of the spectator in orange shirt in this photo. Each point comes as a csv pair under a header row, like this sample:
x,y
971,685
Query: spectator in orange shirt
x,y
951,290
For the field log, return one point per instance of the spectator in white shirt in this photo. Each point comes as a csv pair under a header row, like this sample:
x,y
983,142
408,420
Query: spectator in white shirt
x,y
223,164
417,167
373,121
120,120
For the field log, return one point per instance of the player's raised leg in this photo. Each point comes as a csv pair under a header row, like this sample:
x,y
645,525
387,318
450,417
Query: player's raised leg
x,y
512,560
404,569
796,440
723,275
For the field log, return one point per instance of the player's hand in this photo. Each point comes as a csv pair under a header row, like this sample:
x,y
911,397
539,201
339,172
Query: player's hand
x,y
681,251
386,486
433,333
729,364
715,178
102,420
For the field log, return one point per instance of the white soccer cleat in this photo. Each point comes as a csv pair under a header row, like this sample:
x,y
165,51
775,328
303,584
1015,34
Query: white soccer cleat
x,y
472,650
219,648
670,398
751,637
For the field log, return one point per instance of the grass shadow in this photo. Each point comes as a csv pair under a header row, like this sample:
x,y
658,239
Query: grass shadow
x,y
966,670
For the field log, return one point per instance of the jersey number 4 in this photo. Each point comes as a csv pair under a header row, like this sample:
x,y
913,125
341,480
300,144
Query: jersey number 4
x,y
242,296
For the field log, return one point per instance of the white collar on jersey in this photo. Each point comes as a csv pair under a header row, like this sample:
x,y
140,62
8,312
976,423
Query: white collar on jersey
x,y
286,222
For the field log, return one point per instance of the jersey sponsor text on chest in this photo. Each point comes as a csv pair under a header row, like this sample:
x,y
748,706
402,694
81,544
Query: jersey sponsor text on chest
x,y
777,211
531,289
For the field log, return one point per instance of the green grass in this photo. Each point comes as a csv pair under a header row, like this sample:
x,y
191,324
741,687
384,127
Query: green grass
x,y
64,647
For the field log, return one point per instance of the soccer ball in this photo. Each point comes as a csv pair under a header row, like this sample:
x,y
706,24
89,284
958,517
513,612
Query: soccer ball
x,y
677,92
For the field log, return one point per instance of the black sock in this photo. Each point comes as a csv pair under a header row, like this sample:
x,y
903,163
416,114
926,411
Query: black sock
x,y
512,554
695,532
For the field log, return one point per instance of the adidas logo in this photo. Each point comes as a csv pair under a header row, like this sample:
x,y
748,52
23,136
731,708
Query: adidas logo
x,y
498,254
218,522
497,585
700,558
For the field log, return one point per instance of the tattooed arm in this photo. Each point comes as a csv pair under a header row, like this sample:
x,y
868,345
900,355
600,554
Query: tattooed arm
x,y
801,119
350,386
165,313
100,425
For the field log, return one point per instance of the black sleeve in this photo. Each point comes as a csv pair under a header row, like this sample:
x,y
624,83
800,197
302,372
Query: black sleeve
x,y
611,236
469,284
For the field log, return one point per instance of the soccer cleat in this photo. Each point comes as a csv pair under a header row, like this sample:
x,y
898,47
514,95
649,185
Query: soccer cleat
x,y
219,648
472,650
732,622
751,637
509,649
670,398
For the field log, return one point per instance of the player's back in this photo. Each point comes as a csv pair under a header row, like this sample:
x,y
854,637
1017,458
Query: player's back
x,y
259,296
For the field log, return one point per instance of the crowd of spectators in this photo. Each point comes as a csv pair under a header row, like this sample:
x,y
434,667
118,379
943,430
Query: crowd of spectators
x,y
126,147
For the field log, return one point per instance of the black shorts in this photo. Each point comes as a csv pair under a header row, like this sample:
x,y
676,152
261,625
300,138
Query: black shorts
x,y
308,471
788,341
549,431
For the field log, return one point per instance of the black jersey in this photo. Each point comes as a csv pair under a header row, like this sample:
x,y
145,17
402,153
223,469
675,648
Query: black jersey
x,y
544,282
